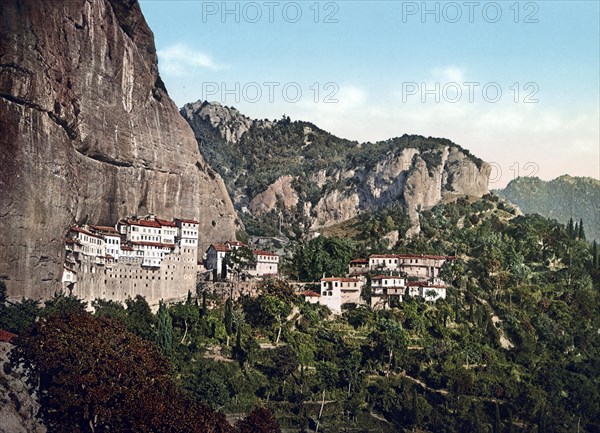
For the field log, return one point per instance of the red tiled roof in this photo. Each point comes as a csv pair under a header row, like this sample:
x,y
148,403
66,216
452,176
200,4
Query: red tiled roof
x,y
143,223
424,256
263,253
126,248
360,262
85,232
187,221
6,336
342,279
358,274
165,223
109,230
385,277
411,256
383,256
425,284
312,294
220,247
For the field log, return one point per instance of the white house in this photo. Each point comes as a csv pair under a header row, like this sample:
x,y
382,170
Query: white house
x,y
427,290
87,243
419,266
387,262
112,240
188,233
168,231
386,289
265,264
215,255
337,291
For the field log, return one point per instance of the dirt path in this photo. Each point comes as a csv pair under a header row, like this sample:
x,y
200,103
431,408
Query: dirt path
x,y
504,342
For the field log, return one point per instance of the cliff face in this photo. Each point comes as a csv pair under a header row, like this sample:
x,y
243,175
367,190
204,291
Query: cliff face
x,y
314,179
89,134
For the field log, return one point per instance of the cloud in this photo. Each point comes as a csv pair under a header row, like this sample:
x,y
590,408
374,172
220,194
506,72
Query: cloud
x,y
449,74
180,60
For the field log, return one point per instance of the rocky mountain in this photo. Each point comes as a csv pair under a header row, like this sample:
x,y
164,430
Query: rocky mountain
x,y
89,134
306,177
562,198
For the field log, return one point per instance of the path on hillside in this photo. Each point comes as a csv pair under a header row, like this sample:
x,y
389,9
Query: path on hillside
x,y
504,342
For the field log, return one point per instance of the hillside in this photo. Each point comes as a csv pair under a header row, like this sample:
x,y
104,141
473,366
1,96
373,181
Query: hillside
x,y
513,348
562,198
309,178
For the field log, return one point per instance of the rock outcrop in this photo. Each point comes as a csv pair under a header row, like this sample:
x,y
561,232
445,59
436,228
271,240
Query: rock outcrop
x,y
320,179
18,409
89,133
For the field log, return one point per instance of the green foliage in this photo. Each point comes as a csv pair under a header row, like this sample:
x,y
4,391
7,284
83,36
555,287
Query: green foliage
x,y
17,317
164,329
321,256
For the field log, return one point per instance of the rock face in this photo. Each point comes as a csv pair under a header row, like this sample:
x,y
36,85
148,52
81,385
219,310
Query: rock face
x,y
18,409
89,134
319,179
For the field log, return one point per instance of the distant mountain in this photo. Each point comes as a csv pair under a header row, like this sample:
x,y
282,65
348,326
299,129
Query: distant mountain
x,y
296,173
562,198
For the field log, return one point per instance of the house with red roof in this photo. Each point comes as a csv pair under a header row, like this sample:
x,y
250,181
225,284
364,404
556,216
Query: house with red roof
x,y
338,291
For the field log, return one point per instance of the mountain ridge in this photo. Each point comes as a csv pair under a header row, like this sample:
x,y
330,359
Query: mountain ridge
x,y
561,198
315,179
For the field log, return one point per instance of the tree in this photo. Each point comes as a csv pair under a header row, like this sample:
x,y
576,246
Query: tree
x,y
570,228
61,304
329,256
228,319
17,317
581,234
595,254
389,336
164,329
260,420
140,319
92,375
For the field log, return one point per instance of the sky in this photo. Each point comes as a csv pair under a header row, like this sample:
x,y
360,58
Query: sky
x,y
516,83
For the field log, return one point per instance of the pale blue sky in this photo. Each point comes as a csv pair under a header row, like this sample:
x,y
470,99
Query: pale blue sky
x,y
381,55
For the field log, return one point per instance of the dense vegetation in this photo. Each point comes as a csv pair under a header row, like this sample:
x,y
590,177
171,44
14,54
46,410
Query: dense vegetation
x,y
514,348
563,198
302,150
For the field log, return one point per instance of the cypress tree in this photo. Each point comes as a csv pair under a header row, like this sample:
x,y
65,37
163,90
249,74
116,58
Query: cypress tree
x,y
497,421
570,228
581,232
511,425
575,231
229,316
164,329
595,254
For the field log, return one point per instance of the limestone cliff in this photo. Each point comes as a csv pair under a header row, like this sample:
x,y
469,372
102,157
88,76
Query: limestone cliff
x,y
89,134
315,179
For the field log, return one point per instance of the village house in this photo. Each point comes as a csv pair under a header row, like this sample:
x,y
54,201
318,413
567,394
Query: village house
x,y
413,265
358,267
386,290
142,256
264,263
430,291
338,291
